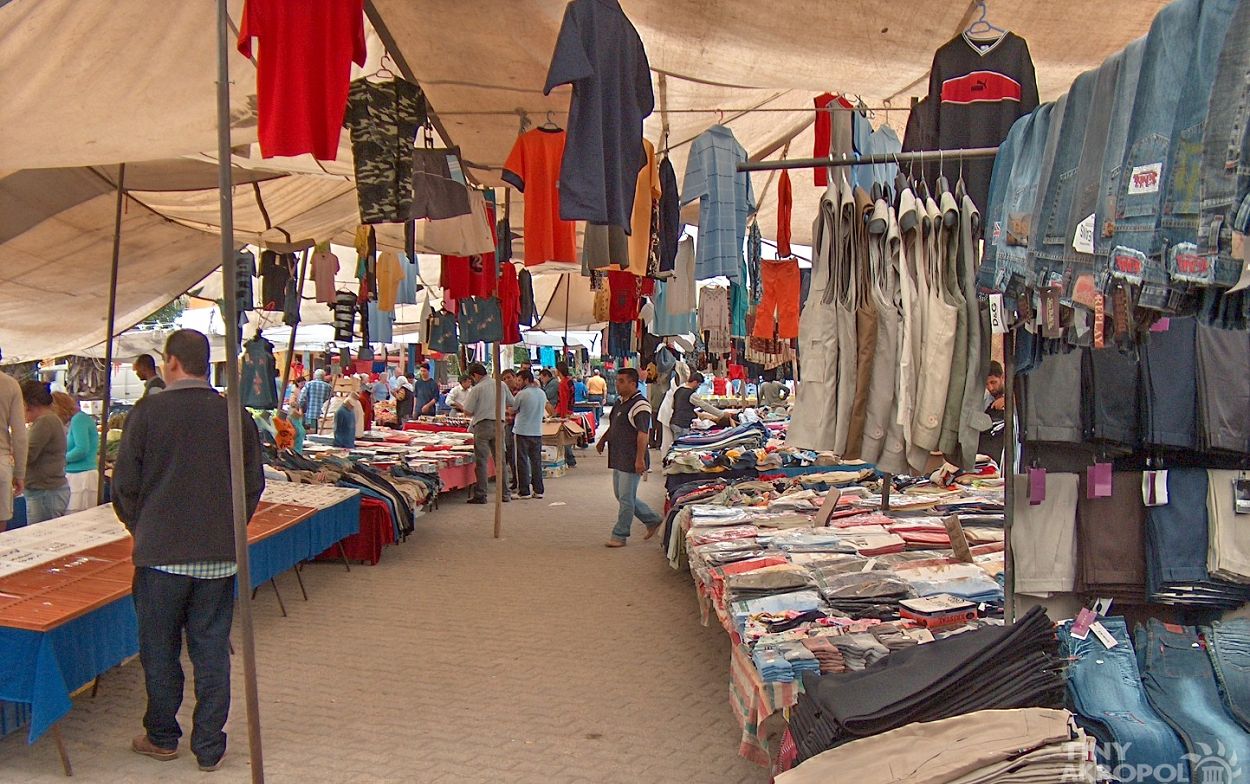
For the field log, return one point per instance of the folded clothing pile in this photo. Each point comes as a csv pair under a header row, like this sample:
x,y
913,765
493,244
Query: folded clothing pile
x,y
982,747
1012,666
772,665
872,594
828,656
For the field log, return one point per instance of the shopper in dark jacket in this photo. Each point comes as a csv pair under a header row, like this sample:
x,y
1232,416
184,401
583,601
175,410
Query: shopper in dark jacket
x,y
171,487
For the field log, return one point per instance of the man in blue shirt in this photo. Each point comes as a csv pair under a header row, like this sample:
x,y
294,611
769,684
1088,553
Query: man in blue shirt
x,y
425,393
531,404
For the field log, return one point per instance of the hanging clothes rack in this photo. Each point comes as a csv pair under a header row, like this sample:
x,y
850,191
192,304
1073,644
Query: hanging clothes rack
x,y
919,156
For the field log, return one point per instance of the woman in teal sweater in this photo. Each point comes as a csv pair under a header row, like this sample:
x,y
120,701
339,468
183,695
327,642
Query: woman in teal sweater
x,y
82,439
82,446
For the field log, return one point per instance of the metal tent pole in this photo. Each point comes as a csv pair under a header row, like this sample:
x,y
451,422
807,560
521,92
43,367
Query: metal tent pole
x,y
1009,471
233,403
501,464
919,156
101,458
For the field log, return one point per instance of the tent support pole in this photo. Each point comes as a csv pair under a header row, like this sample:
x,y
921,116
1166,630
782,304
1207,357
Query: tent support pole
x,y
102,458
234,405
290,346
919,156
1009,471
501,465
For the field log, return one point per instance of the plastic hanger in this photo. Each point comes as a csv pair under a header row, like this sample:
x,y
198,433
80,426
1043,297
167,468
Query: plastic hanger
x,y
981,28
943,185
550,125
383,73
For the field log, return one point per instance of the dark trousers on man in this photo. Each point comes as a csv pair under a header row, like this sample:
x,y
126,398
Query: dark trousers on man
x,y
167,605
483,450
530,465
510,454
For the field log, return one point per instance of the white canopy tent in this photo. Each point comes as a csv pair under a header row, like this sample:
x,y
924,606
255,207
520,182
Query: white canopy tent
x,y
134,82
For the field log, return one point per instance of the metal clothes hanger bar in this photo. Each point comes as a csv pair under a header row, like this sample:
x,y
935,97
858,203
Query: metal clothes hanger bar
x,y
866,160
727,111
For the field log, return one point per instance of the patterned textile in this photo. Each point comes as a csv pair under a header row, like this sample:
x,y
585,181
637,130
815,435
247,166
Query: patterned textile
x,y
440,332
201,570
479,320
725,197
383,118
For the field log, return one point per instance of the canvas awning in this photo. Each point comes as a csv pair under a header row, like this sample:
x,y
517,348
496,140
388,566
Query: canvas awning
x,y
91,85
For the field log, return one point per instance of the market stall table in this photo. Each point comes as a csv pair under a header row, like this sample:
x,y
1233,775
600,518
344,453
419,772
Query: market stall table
x,y
66,614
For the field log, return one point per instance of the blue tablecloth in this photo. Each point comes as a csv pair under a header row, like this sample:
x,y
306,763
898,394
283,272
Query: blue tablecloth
x,y
39,670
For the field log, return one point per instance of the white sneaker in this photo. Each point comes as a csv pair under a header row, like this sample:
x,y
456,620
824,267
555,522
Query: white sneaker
x,y
537,496
524,496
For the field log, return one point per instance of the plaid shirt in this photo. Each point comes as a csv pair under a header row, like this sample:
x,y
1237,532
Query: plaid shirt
x,y
725,200
201,570
313,400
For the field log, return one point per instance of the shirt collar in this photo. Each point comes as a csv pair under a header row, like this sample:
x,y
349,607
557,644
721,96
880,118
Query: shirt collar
x,y
188,383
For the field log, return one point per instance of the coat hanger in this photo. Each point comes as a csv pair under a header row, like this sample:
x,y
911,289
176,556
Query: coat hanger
x,y
943,185
550,125
981,26
383,73
960,189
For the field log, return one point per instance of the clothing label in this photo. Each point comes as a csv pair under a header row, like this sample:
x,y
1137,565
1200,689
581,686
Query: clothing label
x,y
1080,627
1052,326
1145,179
1100,321
1018,228
997,234
1127,264
1098,481
1037,486
1104,636
1154,488
869,565
1241,496
998,318
1102,606
1083,239
1186,264
1162,325
453,165
1084,290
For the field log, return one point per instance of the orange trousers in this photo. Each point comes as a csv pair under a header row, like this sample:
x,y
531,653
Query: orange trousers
x,y
781,283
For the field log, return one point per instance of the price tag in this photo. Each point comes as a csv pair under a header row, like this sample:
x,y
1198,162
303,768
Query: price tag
x,y
1104,636
1241,496
1080,627
1098,481
869,565
1037,486
998,317
1154,488
1083,239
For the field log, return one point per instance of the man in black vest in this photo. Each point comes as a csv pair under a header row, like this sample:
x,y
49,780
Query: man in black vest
x,y
684,409
171,488
626,440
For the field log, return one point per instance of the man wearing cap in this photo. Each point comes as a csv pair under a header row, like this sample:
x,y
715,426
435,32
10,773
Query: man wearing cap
x,y
425,393
480,405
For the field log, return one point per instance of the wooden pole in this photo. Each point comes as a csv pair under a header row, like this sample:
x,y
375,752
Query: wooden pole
x,y
501,466
101,458
234,404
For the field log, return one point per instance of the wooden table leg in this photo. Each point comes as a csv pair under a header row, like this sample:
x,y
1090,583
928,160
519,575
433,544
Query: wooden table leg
x,y
60,748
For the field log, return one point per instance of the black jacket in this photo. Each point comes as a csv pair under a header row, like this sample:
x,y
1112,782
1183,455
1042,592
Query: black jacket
x,y
171,484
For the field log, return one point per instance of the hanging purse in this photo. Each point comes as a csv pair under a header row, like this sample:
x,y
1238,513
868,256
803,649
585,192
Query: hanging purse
x,y
480,320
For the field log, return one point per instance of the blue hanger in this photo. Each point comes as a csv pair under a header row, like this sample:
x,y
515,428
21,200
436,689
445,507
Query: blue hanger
x,y
982,26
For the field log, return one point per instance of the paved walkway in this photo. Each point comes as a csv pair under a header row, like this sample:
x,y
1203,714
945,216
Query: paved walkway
x,y
541,657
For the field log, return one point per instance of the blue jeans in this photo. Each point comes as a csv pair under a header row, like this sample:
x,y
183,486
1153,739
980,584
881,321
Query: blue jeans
x,y
1113,152
1228,642
1106,692
167,605
529,464
1019,200
1051,237
1180,684
45,504
625,487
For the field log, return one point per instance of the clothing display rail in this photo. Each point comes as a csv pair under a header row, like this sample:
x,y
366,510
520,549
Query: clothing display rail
x,y
918,156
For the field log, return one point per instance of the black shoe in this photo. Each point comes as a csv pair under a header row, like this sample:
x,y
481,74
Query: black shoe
x,y
477,500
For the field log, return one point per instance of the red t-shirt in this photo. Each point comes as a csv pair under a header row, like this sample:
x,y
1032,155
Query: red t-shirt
x,y
564,404
303,70
510,303
720,386
624,301
469,276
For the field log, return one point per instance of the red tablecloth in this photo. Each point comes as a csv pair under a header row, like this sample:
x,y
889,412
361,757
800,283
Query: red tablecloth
x,y
431,428
462,476
376,531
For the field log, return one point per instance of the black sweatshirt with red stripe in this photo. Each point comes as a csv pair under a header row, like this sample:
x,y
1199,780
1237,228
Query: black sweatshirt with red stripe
x,y
979,88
